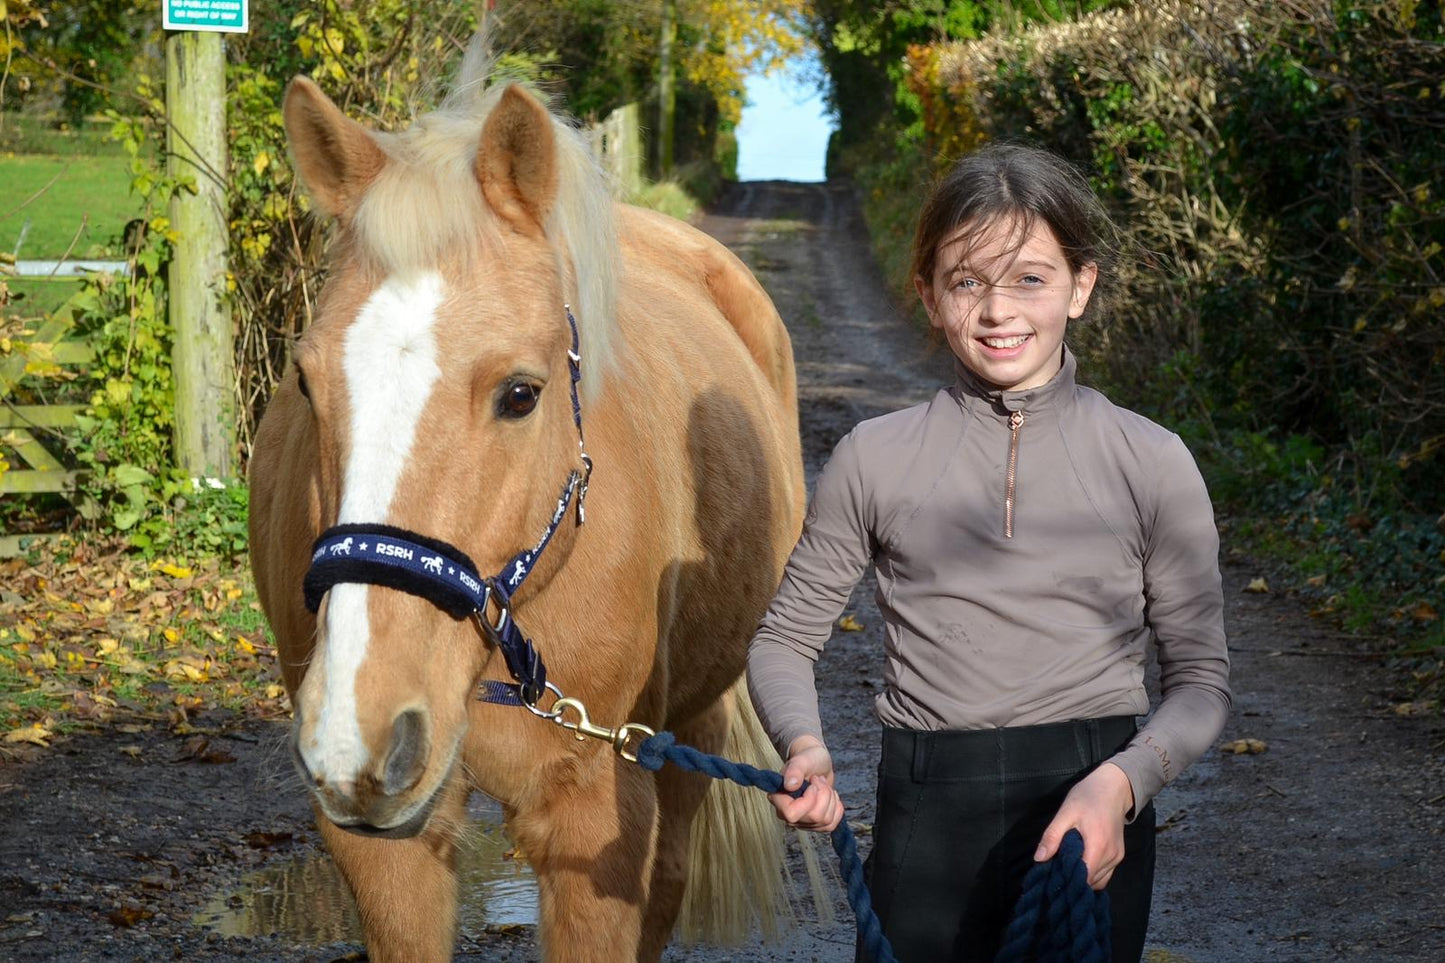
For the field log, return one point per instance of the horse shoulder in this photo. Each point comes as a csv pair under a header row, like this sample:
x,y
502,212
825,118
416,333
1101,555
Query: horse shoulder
x,y
666,243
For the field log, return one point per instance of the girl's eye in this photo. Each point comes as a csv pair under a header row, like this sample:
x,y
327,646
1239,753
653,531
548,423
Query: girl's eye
x,y
518,400
1032,280
968,284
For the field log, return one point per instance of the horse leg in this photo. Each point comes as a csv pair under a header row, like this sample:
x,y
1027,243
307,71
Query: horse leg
x,y
679,793
405,889
590,843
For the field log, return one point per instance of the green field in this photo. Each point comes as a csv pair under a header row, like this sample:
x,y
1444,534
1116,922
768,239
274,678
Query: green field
x,y
78,195
50,203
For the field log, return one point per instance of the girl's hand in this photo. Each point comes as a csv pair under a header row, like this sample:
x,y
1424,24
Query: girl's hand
x,y
1096,807
819,808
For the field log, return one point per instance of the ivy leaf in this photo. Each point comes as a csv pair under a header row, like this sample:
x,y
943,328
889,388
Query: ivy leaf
x,y
129,475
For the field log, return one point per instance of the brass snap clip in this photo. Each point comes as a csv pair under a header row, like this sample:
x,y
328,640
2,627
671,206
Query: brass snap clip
x,y
584,728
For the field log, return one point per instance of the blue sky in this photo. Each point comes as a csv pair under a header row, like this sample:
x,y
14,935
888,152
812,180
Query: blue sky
x,y
784,131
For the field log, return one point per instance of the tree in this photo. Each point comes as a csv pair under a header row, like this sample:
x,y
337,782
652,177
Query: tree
x,y
864,43
84,47
601,55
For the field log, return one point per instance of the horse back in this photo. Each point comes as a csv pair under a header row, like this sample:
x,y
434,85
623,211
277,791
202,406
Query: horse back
x,y
669,244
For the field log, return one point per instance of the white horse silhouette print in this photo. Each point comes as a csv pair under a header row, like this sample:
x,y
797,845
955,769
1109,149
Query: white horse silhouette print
x,y
343,547
433,563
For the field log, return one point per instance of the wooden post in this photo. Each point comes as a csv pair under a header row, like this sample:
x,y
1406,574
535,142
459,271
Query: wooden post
x,y
202,353
666,95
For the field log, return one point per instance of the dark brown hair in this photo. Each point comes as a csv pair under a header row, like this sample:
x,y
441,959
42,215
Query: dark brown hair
x,y
1018,186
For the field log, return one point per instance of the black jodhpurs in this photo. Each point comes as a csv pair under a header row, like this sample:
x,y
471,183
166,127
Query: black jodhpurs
x,y
960,814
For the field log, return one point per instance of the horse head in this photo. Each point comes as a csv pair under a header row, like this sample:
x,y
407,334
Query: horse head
x,y
432,398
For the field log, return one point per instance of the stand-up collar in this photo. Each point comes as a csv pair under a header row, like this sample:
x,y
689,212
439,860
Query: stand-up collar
x,y
974,392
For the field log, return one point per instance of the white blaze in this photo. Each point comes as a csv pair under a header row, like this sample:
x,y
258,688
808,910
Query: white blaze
x,y
390,362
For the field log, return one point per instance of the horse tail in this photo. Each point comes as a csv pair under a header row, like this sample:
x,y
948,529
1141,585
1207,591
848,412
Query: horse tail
x,y
737,876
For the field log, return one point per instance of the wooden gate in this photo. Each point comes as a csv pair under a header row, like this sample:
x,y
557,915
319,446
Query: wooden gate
x,y
44,351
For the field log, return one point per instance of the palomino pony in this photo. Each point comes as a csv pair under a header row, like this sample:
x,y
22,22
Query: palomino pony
x,y
431,409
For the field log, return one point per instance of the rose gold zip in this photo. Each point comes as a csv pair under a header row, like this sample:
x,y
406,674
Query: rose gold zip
x,y
1015,421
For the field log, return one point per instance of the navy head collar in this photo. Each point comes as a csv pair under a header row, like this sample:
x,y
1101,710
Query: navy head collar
x,y
442,574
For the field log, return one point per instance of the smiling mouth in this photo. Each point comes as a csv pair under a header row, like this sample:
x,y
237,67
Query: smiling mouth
x,y
1012,342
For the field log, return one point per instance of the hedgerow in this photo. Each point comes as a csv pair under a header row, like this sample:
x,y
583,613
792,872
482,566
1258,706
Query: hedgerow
x,y
1277,168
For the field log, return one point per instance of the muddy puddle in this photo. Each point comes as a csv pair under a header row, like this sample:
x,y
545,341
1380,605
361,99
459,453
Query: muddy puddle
x,y
305,900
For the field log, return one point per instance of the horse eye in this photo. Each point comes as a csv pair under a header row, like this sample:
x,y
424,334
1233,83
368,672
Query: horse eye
x,y
518,400
302,386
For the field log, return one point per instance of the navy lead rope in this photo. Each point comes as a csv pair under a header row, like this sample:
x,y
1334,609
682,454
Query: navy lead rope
x,y
1058,918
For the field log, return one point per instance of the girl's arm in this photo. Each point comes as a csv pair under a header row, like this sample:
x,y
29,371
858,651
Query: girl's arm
x,y
831,555
1185,608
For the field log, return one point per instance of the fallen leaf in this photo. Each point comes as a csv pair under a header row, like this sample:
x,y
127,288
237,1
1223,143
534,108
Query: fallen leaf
x,y
174,571
1317,582
849,624
260,840
199,749
1258,586
35,734
187,669
1424,612
1241,747
132,751
129,915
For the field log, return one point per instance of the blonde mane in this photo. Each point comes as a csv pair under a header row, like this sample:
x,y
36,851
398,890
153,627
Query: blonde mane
x,y
426,205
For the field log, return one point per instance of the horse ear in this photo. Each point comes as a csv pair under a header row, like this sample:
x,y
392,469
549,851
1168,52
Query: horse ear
x,y
517,160
336,157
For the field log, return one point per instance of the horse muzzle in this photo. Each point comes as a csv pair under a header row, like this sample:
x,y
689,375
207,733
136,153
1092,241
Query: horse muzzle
x,y
389,796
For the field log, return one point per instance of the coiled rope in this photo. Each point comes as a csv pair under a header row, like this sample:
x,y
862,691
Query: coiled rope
x,y
1058,918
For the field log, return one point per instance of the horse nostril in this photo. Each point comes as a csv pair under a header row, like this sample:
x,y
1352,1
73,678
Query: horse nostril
x,y
407,760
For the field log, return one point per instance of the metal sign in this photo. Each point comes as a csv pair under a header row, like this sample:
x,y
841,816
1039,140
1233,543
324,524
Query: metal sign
x,y
223,16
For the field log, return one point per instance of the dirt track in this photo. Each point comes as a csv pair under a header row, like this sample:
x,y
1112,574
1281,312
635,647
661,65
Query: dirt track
x,y
1324,847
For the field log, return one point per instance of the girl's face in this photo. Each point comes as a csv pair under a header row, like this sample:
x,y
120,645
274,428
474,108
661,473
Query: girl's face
x,y
1002,304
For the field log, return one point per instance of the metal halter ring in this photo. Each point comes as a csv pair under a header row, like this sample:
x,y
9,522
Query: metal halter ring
x,y
492,631
554,713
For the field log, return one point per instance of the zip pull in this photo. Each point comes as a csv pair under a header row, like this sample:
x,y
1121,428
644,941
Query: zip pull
x,y
1015,422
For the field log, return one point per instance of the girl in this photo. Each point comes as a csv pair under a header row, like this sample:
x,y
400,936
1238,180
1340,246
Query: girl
x,y
1030,539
